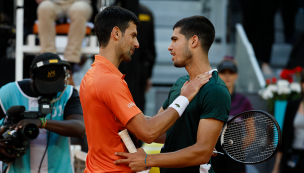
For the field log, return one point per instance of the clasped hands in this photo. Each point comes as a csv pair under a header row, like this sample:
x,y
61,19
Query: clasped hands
x,y
136,161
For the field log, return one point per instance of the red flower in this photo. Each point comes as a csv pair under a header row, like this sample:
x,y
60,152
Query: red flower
x,y
298,69
290,80
267,81
293,71
274,80
286,74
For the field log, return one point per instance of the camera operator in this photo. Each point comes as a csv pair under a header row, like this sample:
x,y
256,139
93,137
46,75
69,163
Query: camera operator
x,y
50,151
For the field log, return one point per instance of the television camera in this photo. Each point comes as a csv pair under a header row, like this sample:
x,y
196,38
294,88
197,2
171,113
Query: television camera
x,y
20,139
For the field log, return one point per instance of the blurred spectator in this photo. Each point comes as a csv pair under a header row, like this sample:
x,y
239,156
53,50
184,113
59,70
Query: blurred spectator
x,y
7,28
258,21
7,42
228,72
139,70
297,53
79,12
290,157
30,16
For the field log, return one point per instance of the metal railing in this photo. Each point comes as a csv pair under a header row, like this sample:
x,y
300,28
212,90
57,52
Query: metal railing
x,y
251,78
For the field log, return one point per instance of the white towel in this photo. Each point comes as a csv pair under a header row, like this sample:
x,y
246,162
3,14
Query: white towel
x,y
204,168
145,171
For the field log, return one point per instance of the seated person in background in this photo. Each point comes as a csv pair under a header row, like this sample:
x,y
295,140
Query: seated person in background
x,y
79,11
290,157
50,151
228,72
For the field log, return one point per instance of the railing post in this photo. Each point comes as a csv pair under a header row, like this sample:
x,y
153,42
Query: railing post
x,y
19,40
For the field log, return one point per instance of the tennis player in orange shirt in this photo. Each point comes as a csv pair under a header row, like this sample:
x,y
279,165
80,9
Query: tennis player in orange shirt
x,y
107,103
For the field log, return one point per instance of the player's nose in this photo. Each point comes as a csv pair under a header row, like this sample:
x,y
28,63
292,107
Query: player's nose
x,y
170,48
136,44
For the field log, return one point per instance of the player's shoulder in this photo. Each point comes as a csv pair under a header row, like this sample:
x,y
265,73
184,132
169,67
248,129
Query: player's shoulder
x,y
215,86
179,83
110,80
100,74
215,82
216,79
215,90
182,80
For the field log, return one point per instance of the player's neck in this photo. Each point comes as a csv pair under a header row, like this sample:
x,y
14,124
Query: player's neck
x,y
111,54
198,66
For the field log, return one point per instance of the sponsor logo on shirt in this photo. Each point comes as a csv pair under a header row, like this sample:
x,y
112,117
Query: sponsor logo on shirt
x,y
131,104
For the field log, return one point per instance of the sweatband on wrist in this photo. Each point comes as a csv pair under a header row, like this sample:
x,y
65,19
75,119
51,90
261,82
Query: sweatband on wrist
x,y
180,104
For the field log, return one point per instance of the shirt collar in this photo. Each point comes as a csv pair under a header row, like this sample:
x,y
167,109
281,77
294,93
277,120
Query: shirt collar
x,y
110,65
211,71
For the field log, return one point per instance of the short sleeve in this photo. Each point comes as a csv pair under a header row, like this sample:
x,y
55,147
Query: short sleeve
x,y
216,103
117,96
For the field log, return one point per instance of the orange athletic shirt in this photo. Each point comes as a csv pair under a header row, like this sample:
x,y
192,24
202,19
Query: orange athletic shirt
x,y
107,107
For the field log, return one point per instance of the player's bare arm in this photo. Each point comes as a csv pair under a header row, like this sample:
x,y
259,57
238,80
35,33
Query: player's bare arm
x,y
148,130
162,138
197,154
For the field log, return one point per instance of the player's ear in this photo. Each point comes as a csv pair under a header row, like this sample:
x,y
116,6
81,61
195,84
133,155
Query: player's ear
x,y
194,41
116,33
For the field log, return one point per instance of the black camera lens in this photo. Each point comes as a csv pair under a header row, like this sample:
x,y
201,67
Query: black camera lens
x,y
30,131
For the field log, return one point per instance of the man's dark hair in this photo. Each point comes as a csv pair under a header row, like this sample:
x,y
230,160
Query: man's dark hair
x,y
110,17
199,26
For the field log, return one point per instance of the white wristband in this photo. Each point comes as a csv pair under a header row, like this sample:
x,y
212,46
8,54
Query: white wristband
x,y
180,104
